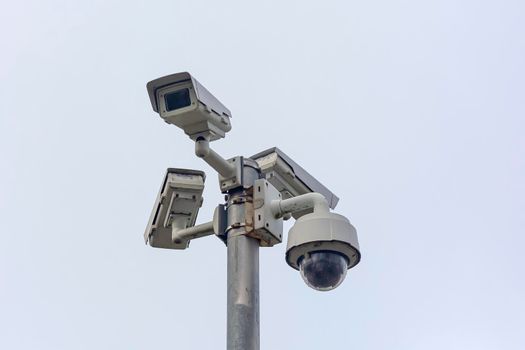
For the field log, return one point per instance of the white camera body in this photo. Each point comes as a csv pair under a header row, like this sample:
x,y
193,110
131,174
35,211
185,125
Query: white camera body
x,y
177,206
289,178
181,100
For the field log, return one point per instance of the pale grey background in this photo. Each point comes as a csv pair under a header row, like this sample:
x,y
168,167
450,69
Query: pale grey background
x,y
411,111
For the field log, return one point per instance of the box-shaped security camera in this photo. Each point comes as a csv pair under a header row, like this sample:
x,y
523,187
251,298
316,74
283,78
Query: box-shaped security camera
x,y
176,206
289,178
181,100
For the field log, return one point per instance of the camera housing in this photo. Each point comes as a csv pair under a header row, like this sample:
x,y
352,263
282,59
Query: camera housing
x,y
322,246
290,179
182,101
176,207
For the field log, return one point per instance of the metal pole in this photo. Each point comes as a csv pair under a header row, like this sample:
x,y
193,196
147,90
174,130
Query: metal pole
x,y
243,272
243,293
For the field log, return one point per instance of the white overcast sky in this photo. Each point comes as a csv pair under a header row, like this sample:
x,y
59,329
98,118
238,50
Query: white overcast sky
x,y
411,111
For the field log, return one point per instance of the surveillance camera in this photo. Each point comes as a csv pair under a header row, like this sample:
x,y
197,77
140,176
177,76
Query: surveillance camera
x,y
290,179
181,100
323,246
176,207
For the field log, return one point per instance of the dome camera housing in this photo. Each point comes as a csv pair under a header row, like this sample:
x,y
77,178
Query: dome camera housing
x,y
323,246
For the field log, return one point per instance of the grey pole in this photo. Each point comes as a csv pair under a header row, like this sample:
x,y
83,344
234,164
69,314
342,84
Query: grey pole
x,y
243,270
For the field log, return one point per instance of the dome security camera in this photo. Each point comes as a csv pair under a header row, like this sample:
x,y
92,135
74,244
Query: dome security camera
x,y
322,246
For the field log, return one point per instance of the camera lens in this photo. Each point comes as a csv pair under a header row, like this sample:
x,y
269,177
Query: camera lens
x,y
323,270
177,99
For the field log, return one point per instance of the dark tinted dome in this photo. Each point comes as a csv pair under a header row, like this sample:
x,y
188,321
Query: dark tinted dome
x,y
323,270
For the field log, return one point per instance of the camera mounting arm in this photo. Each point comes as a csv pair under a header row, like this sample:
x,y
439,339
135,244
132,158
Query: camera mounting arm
x,y
313,200
179,235
215,160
